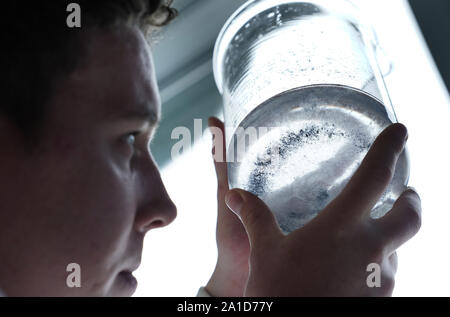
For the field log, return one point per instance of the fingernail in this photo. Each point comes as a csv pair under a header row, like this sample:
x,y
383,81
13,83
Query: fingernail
x,y
402,132
412,189
210,121
210,128
234,201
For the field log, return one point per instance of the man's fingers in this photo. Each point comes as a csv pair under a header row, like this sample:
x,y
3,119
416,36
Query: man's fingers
x,y
217,129
375,172
402,222
258,220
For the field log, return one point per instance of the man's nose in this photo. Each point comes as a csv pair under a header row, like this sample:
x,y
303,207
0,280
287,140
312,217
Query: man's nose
x,y
156,209
155,215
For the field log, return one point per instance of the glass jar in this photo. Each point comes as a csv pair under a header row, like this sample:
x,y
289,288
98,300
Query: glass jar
x,y
304,99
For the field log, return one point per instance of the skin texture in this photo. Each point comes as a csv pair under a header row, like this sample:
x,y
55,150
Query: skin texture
x,y
88,192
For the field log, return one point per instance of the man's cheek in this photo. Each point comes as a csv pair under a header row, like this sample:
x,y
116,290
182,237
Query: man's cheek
x,y
116,206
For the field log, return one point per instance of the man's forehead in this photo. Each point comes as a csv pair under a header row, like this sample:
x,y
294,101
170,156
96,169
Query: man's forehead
x,y
124,77
150,113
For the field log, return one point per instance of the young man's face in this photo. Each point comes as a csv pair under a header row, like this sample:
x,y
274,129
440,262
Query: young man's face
x,y
89,193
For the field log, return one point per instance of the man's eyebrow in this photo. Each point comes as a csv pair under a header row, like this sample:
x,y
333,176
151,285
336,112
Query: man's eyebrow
x,y
145,115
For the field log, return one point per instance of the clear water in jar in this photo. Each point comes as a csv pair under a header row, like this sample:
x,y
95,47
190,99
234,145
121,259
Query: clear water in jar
x,y
316,138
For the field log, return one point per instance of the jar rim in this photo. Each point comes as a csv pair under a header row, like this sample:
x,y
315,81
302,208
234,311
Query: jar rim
x,y
253,7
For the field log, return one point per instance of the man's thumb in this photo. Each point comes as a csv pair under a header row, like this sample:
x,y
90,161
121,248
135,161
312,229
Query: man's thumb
x,y
258,220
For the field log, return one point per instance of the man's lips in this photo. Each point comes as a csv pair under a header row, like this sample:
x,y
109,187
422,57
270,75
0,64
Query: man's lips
x,y
131,266
131,269
134,267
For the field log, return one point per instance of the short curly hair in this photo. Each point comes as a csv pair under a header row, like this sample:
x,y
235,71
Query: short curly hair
x,y
39,49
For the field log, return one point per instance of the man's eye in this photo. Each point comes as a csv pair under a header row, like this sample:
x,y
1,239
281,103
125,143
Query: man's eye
x,y
131,138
